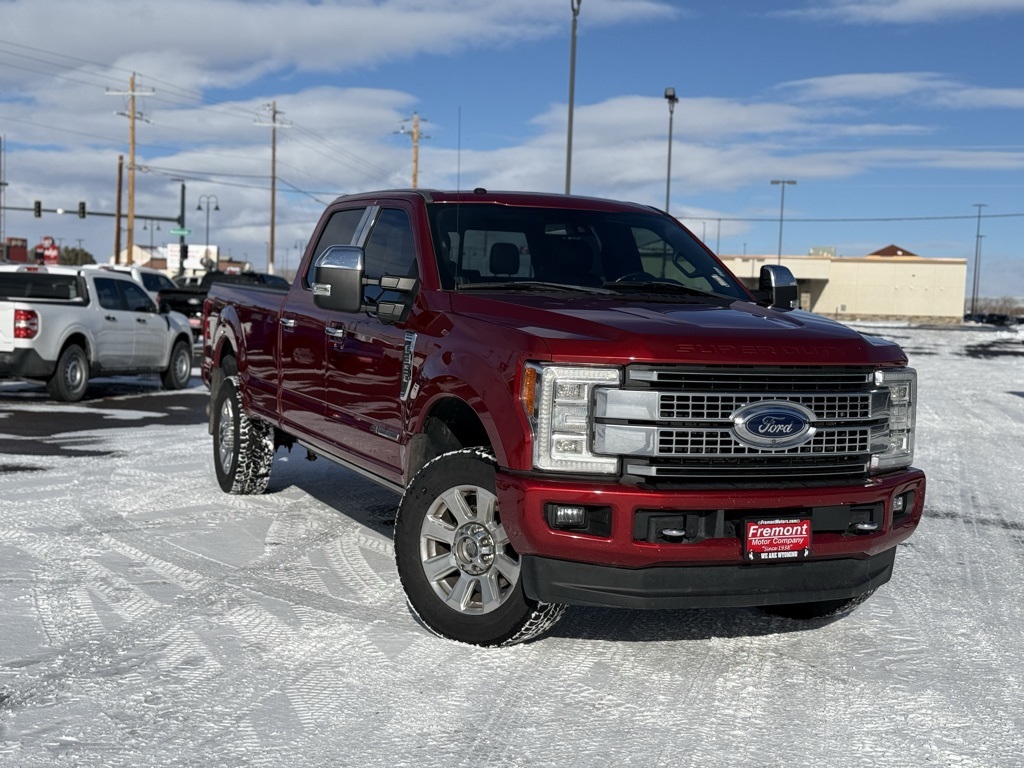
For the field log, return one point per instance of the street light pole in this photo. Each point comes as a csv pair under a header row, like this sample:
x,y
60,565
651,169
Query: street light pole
x,y
216,206
670,97
572,94
782,207
977,262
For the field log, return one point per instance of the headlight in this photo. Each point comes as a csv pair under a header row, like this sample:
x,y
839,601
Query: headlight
x,y
902,386
559,402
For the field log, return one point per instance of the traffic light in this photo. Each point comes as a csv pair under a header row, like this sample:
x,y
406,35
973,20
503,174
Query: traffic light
x,y
81,209
184,252
37,208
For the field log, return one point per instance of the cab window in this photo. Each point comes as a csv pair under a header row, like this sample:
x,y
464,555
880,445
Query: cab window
x,y
136,299
390,250
107,293
339,230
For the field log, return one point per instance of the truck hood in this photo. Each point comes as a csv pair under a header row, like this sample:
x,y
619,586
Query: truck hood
x,y
591,328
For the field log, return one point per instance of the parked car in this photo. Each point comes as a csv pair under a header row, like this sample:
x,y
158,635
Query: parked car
x,y
152,280
995,318
579,404
62,325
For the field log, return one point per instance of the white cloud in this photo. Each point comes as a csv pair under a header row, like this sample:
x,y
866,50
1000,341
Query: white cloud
x,y
908,11
231,42
923,88
867,85
981,98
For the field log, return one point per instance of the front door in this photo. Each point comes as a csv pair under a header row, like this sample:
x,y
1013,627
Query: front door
x,y
150,348
115,333
365,386
306,335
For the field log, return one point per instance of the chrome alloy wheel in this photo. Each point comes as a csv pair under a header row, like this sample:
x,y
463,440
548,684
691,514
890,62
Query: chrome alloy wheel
x,y
226,434
464,552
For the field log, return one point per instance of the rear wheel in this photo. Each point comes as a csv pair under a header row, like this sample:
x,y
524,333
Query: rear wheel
x,y
243,446
457,566
179,368
820,610
71,378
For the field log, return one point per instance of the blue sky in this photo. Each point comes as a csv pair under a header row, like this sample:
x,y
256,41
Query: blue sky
x,y
895,117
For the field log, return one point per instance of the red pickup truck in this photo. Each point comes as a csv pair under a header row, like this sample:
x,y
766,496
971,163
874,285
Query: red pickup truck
x,y
580,405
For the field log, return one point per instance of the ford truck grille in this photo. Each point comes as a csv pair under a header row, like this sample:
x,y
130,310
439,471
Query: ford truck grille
x,y
680,424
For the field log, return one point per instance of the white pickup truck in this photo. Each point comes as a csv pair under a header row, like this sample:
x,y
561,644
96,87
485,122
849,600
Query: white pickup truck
x,y
62,325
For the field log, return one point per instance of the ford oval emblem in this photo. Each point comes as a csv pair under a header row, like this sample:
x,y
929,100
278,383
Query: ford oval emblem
x,y
773,425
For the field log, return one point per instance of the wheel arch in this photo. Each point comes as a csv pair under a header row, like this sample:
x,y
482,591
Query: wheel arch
x,y
448,424
81,339
225,364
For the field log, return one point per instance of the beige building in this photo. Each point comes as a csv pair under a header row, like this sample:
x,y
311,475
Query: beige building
x,y
889,284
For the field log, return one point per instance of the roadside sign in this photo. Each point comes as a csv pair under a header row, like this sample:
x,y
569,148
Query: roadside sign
x,y
179,232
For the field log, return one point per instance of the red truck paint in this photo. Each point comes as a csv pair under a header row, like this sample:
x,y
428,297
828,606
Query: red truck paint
x,y
757,406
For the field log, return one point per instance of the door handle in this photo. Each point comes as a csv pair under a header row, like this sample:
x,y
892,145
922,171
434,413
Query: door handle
x,y
111,318
335,333
287,322
140,320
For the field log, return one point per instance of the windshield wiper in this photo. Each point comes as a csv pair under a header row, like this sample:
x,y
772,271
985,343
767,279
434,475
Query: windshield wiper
x,y
532,285
660,286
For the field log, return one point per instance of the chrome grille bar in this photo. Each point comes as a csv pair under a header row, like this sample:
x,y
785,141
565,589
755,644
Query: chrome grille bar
x,y
676,423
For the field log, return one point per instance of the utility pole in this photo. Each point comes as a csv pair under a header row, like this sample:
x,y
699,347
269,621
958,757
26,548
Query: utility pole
x,y
274,112
117,215
132,114
782,207
3,186
416,136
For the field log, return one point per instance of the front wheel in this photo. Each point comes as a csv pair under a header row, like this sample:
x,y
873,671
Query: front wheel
x,y
179,367
243,446
71,378
820,610
457,566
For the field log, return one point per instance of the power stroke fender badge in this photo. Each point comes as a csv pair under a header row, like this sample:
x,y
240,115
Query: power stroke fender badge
x,y
773,425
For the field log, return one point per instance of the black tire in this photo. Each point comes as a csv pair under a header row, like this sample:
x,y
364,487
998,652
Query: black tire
x,y
824,609
71,378
459,571
243,446
179,367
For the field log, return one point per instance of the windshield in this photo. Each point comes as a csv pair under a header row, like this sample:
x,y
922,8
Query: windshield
x,y
482,245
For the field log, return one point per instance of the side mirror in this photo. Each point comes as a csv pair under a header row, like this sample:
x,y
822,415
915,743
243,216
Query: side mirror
x,y
338,279
779,287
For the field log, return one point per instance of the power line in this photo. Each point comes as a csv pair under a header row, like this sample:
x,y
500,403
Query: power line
x,y
340,150
847,220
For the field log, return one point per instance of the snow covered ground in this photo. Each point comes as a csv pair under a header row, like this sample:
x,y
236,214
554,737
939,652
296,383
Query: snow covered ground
x,y
147,619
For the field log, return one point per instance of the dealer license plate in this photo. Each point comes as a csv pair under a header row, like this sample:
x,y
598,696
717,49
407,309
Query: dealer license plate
x,y
777,541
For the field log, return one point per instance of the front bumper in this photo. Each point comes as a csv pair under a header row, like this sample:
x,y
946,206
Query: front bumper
x,y
623,568
718,586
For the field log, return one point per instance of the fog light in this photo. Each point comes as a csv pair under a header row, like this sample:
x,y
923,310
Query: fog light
x,y
899,504
569,516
